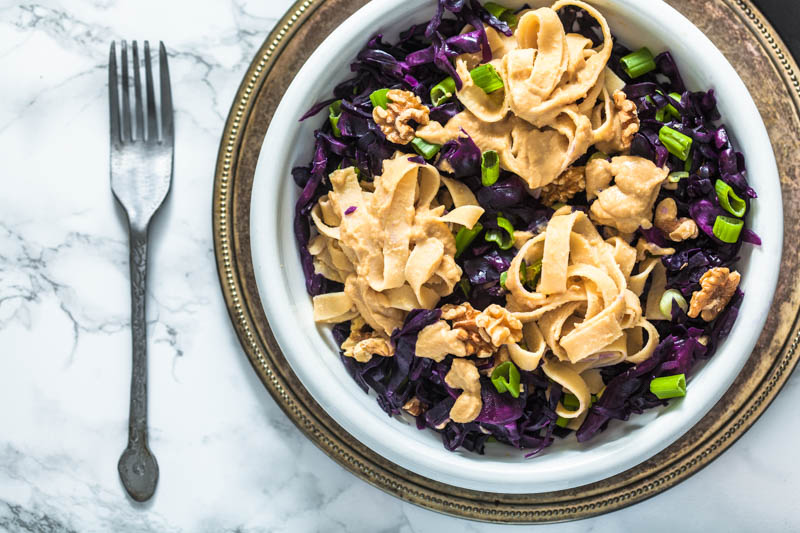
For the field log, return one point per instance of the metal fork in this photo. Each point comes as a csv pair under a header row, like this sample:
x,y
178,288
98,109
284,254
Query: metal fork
x,y
141,172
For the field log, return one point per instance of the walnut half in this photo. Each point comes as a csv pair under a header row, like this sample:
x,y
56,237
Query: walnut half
x,y
565,186
463,318
718,286
403,107
362,345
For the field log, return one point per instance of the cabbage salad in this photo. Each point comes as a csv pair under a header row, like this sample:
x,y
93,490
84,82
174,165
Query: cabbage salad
x,y
519,228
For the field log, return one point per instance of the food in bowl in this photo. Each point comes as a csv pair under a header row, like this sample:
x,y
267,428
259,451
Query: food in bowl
x,y
519,228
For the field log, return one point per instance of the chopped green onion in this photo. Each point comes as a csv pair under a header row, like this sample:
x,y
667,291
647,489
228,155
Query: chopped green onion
x,y
490,168
424,148
687,166
727,229
334,113
570,402
465,236
671,108
505,378
502,13
503,278
465,286
380,98
676,142
598,155
594,397
670,296
443,91
675,177
558,205
729,200
562,422
638,63
532,274
486,77
661,114
669,386
503,236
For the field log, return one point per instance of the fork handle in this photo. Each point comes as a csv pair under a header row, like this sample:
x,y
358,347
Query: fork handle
x,y
137,429
138,468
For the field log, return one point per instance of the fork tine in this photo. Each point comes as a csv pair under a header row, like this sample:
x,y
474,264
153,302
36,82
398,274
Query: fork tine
x,y
127,128
152,125
137,83
166,94
113,95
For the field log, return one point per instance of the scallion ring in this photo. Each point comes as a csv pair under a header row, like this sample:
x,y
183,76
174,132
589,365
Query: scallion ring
x,y
490,168
675,177
486,77
729,200
669,386
503,13
727,229
379,98
465,236
638,63
505,378
676,142
503,236
667,299
671,108
570,402
424,148
334,113
443,91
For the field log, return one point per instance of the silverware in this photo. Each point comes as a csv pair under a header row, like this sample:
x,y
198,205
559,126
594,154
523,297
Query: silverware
x,y
141,172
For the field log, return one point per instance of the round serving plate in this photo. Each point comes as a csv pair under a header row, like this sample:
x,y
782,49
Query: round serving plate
x,y
749,44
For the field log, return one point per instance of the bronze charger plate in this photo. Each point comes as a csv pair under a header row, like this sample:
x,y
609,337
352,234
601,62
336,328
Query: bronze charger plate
x,y
761,59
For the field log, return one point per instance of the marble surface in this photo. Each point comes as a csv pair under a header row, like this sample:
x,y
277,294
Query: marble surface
x,y
230,460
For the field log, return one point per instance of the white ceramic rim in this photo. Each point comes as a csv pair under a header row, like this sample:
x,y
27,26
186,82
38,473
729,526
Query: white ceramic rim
x,y
313,355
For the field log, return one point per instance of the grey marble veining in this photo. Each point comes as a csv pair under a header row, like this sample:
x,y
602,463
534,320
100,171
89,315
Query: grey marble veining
x,y
229,458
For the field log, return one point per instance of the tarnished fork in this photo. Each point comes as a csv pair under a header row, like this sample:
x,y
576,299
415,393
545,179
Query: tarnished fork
x,y
141,172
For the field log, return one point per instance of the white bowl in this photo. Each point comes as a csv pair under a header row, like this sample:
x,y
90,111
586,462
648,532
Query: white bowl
x,y
314,356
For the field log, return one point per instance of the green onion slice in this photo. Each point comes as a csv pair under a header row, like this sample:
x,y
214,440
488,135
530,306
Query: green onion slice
x,y
661,114
638,63
562,422
688,165
727,229
505,378
501,12
503,278
379,98
570,402
671,108
531,274
669,386
334,113
729,200
676,142
424,148
490,167
443,91
503,236
465,286
486,77
669,296
465,236
675,177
